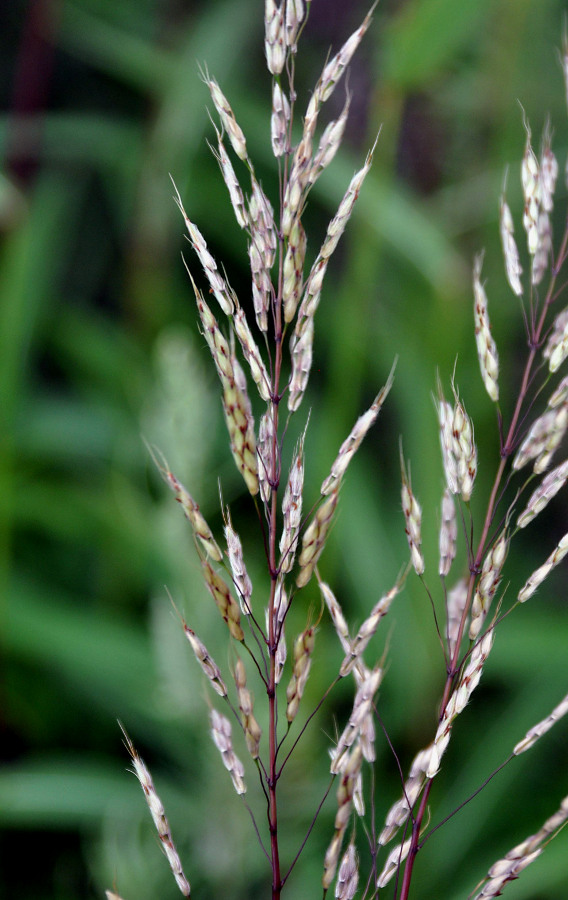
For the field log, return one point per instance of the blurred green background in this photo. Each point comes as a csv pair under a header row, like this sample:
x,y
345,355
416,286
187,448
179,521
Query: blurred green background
x,y
99,349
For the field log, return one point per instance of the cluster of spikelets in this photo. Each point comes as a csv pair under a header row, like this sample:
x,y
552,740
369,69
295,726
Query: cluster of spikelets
x,y
285,298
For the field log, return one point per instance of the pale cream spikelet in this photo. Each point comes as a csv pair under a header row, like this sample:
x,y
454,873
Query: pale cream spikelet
x,y
236,195
521,856
548,488
560,394
239,572
261,286
336,614
221,732
513,268
459,453
468,681
295,193
218,345
280,609
312,291
544,248
394,860
531,182
362,706
292,509
339,222
537,731
329,143
264,449
543,438
224,600
345,791
303,649
207,663
263,228
159,816
487,583
486,348
448,534
352,443
368,628
240,425
201,530
293,269
337,65
219,287
252,354
548,170
295,12
556,347
227,117
397,815
540,574
348,875
280,121
251,728
301,351
413,520
455,605
314,538
274,36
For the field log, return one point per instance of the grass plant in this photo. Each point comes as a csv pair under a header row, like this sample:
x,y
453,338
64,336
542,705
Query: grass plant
x,y
263,353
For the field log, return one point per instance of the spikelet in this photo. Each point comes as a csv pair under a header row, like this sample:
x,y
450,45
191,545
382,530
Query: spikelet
x,y
218,285
347,780
352,443
531,182
544,571
206,661
394,860
362,706
303,649
221,733
487,583
537,731
413,519
201,530
539,499
292,508
521,856
469,679
159,816
448,534
348,875
224,600
315,537
486,348
513,267
227,117
251,727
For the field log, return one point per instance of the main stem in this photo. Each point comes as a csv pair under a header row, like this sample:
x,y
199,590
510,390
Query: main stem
x,y
506,451
272,635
